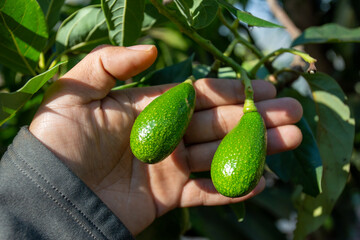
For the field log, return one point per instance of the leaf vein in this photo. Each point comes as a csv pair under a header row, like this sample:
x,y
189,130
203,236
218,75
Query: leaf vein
x,y
16,46
94,29
117,17
117,9
112,4
118,24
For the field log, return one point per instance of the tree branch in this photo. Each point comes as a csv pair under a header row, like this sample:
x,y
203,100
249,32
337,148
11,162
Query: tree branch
x,y
292,29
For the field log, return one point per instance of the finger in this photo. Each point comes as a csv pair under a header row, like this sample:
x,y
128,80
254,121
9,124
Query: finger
x,y
209,93
215,123
94,76
280,139
201,192
217,92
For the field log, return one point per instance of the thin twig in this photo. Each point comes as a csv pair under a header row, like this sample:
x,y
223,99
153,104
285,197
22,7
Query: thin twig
x,y
214,70
306,57
233,29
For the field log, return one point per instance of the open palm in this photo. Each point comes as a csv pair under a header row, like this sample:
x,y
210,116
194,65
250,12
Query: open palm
x,y
88,127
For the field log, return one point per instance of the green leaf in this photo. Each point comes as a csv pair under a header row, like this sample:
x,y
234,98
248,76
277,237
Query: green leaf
x,y
82,31
169,226
23,34
308,104
152,17
335,135
124,20
215,223
198,13
328,33
10,103
301,166
220,223
51,9
184,8
200,71
11,81
247,17
173,74
203,13
275,200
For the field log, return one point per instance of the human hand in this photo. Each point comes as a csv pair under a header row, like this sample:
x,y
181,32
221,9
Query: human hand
x,y
88,127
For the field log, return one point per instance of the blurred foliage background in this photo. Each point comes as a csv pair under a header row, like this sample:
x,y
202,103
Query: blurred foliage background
x,y
270,215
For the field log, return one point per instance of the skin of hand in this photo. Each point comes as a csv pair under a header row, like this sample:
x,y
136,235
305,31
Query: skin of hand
x,y
88,126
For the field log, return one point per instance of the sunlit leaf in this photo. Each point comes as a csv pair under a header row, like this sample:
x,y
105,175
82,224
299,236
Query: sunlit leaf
x,y
10,103
73,35
124,20
23,34
247,17
335,135
328,33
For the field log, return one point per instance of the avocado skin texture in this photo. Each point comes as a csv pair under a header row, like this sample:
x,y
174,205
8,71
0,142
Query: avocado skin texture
x,y
239,161
160,127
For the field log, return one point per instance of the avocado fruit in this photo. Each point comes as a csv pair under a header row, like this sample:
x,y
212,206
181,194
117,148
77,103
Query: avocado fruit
x,y
238,163
160,127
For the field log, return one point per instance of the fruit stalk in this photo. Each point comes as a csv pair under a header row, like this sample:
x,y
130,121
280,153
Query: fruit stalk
x,y
249,105
239,161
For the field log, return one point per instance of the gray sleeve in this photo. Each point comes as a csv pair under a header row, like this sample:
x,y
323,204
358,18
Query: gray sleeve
x,y
40,198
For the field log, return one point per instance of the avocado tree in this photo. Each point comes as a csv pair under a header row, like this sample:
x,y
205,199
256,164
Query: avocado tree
x,y
41,39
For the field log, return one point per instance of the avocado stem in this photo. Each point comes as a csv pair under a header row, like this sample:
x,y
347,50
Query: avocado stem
x,y
190,80
249,105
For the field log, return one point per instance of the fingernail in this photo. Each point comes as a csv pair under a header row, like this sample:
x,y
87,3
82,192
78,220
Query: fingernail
x,y
141,47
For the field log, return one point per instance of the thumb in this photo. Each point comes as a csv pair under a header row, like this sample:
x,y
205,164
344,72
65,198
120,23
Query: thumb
x,y
94,76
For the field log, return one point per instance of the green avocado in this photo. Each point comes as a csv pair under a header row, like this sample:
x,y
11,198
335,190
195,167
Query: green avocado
x,y
160,127
238,162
